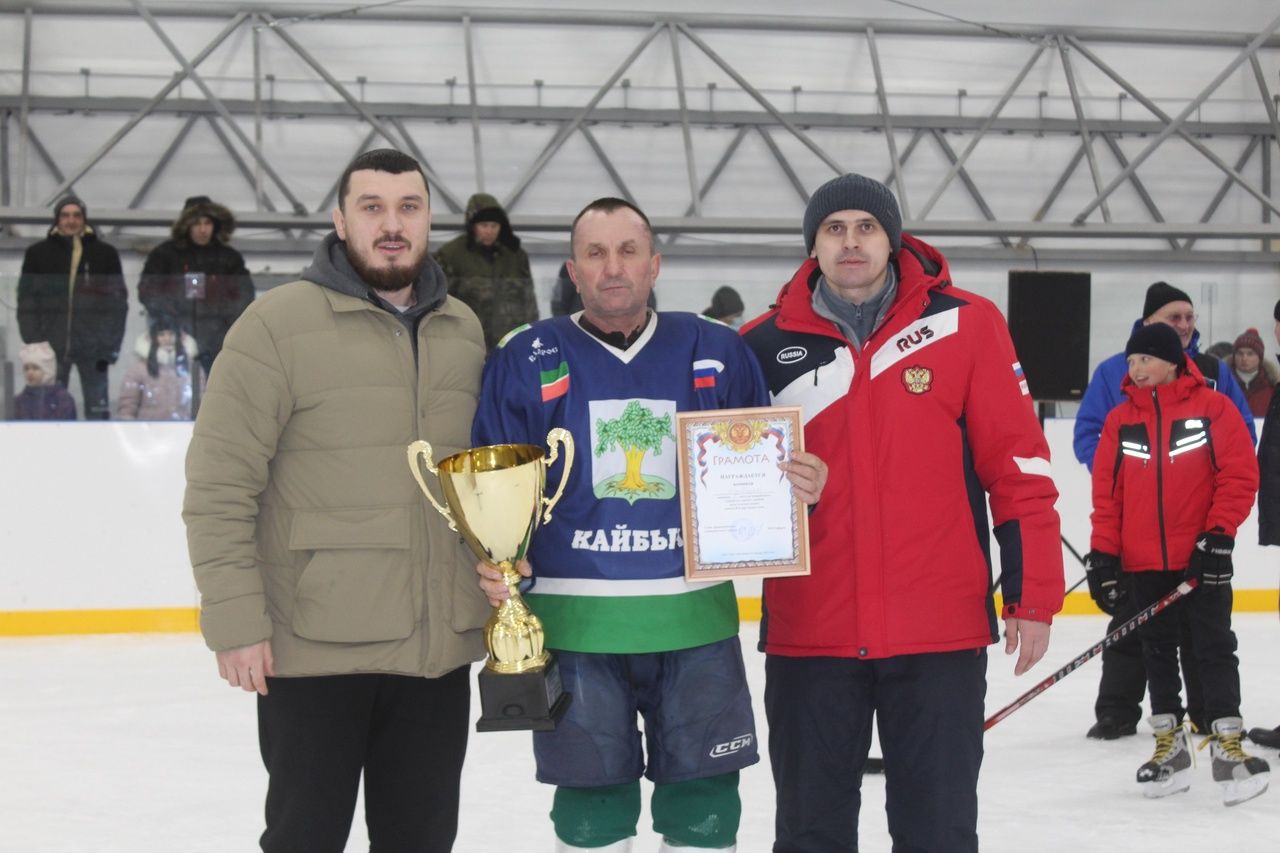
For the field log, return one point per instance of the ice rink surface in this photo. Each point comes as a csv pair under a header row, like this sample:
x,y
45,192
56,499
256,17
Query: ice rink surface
x,y
132,743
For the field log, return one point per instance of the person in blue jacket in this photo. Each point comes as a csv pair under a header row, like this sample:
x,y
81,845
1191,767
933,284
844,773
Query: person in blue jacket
x,y
1123,682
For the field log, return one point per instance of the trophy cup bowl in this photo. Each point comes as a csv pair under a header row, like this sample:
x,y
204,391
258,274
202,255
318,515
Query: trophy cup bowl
x,y
494,499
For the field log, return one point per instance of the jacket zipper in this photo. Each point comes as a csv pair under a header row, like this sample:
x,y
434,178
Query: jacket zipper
x,y
1164,545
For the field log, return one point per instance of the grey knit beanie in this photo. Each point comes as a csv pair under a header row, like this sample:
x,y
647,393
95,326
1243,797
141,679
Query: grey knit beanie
x,y
853,192
66,200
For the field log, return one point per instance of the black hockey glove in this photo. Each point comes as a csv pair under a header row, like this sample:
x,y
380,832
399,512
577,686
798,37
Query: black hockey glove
x,y
1211,558
1103,572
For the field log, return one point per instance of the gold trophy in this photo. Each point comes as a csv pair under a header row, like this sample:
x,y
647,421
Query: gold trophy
x,y
495,500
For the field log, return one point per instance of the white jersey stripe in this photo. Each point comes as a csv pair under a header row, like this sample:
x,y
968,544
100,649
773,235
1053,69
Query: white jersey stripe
x,y
596,587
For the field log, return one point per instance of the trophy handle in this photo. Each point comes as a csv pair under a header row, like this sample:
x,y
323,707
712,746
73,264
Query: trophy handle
x,y
422,448
562,436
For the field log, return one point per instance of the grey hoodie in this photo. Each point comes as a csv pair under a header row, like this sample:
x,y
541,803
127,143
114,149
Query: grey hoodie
x,y
331,268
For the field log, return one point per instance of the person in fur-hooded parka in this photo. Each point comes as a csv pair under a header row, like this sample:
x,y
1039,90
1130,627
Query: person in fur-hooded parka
x,y
197,278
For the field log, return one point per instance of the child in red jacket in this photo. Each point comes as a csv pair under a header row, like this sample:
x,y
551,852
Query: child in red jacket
x,y
1173,478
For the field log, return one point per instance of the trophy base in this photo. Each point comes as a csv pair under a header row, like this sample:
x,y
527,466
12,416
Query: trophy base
x,y
525,701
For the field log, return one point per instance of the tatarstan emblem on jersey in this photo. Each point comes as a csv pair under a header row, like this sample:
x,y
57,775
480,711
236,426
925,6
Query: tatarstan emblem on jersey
x,y
555,382
917,379
627,442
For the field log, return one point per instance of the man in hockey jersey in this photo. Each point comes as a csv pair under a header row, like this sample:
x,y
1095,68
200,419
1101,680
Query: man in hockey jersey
x,y
912,393
1123,679
630,634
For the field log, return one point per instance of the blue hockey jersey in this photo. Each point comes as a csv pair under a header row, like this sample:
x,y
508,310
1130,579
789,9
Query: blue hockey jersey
x,y
609,567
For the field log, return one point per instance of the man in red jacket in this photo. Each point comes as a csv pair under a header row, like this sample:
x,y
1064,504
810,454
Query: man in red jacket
x,y
912,393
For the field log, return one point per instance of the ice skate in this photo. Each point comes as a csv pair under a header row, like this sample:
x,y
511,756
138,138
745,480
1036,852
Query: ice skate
x,y
1266,737
1242,776
1169,770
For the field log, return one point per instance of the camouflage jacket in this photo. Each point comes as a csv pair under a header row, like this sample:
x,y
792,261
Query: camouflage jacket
x,y
498,288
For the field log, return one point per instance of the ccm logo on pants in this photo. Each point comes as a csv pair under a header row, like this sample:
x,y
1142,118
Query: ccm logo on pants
x,y
729,747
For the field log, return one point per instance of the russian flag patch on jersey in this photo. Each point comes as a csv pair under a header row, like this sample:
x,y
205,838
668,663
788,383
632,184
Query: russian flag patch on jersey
x,y
555,383
1022,379
704,372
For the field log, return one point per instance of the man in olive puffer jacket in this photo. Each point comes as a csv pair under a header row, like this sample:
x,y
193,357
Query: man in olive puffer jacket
x,y
327,583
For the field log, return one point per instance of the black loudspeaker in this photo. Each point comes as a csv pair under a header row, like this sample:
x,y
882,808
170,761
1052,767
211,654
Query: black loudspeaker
x,y
1049,322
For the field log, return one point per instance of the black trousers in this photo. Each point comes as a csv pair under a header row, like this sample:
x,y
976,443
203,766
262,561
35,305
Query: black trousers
x,y
1123,683
407,735
1207,613
93,383
929,711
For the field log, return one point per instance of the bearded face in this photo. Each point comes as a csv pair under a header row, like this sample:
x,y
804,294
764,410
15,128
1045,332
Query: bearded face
x,y
385,220
382,274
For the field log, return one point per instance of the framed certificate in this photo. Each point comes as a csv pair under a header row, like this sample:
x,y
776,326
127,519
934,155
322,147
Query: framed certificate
x,y
739,515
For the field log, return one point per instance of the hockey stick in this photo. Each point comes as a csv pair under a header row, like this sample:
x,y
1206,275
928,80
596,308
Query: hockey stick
x,y
875,764
1106,642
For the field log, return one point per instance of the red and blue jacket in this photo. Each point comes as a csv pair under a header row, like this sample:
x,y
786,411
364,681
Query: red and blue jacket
x,y
1173,461
920,428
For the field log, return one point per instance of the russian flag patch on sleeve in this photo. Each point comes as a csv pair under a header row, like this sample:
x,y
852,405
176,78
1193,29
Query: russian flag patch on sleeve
x,y
1022,379
704,372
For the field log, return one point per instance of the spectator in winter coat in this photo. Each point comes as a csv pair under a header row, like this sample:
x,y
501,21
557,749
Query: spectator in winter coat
x,y
44,398
72,295
197,277
1175,478
1256,376
913,395
489,271
157,386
